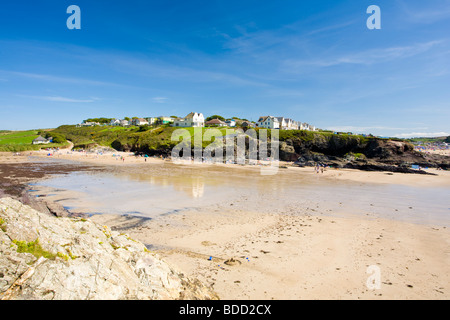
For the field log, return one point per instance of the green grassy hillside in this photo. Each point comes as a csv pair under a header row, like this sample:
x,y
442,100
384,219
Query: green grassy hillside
x,y
156,140
18,137
17,141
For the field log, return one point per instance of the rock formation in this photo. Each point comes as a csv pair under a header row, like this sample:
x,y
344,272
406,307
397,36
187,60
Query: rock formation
x,y
45,257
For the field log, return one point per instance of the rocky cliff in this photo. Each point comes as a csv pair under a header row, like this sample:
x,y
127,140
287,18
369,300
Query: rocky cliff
x,y
44,257
306,148
357,152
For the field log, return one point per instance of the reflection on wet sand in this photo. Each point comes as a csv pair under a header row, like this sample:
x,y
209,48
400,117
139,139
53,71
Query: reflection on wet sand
x,y
194,180
161,189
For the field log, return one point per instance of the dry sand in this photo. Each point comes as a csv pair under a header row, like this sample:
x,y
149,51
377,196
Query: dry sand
x,y
301,256
301,253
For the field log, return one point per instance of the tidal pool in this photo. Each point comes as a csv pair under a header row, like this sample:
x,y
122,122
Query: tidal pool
x,y
157,190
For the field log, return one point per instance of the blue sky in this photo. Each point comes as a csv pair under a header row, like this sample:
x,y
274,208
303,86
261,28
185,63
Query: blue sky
x,y
313,61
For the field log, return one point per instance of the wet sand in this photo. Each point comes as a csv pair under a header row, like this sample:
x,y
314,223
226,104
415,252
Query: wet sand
x,y
442,178
16,172
291,245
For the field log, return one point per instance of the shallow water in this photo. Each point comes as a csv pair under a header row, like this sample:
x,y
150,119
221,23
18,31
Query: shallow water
x,y
156,190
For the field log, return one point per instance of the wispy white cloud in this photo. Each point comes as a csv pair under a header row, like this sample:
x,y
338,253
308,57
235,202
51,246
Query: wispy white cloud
x,y
367,57
64,99
61,99
293,36
425,14
57,78
332,27
160,99
205,71
281,92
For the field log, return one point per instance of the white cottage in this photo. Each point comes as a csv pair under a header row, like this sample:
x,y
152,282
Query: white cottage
x,y
40,140
231,123
139,122
193,119
268,122
124,123
114,122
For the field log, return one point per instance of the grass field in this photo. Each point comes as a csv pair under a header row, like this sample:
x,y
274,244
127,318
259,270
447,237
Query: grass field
x,y
17,141
18,137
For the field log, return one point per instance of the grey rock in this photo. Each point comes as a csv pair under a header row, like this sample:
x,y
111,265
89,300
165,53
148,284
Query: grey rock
x,y
79,259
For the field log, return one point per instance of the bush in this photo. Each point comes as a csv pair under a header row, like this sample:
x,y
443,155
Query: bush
x,y
57,138
215,117
143,128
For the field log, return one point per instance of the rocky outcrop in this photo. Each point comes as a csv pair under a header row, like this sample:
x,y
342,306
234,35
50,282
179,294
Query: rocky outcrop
x,y
44,257
307,148
356,152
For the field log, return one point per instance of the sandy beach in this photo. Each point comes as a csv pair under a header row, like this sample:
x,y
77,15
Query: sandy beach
x,y
278,245
302,257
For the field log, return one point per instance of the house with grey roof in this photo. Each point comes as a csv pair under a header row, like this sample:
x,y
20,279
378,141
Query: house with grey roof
x,y
40,140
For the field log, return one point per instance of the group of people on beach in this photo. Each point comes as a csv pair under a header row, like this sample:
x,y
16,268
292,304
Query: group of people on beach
x,y
319,168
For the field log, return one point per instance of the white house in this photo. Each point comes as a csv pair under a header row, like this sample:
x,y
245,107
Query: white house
x,y
151,120
216,123
306,126
282,122
193,119
231,123
268,122
139,122
89,124
295,125
114,122
288,124
124,123
291,124
40,140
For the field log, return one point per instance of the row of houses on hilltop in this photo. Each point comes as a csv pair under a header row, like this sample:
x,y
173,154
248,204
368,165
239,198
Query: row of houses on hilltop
x,y
270,122
131,122
196,119
142,121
